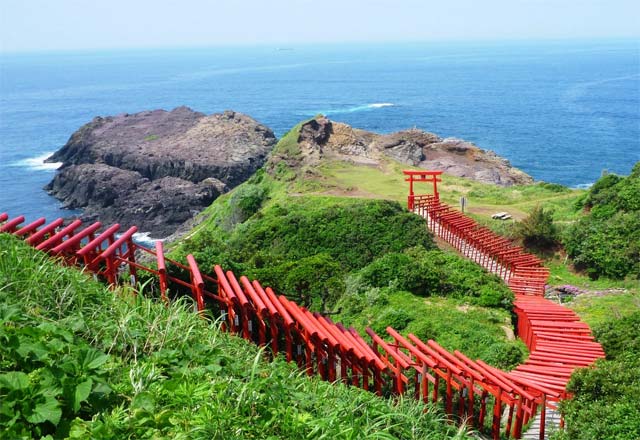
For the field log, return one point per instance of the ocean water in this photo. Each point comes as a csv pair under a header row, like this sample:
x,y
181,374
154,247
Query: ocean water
x,y
561,111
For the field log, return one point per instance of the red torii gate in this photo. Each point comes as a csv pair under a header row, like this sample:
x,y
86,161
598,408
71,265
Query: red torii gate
x,y
422,176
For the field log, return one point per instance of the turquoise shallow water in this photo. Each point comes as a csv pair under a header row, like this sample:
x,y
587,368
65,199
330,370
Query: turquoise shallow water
x,y
561,111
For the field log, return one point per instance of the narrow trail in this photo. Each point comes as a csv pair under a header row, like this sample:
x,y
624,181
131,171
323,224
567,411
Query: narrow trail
x,y
470,391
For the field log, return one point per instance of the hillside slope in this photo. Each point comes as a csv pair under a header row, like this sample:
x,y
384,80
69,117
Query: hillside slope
x,y
81,361
297,230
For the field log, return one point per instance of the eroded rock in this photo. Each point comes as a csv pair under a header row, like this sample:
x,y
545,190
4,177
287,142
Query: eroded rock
x,y
156,169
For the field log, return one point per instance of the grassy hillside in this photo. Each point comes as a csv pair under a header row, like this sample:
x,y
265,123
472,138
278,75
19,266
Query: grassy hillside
x,y
80,361
334,248
309,228
281,227
332,254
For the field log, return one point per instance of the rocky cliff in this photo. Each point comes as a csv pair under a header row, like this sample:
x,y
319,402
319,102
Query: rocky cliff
x,y
156,169
322,138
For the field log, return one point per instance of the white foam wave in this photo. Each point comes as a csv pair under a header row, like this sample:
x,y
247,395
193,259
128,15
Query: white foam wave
x,y
583,186
38,163
380,105
144,238
357,108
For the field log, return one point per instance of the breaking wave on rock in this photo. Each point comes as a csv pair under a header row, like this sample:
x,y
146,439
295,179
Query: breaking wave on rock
x,y
38,163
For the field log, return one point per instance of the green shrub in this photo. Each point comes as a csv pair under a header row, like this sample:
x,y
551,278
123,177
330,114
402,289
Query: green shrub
x,y
606,247
428,273
606,241
246,201
315,282
605,402
538,230
403,272
554,187
391,317
621,336
353,233
506,355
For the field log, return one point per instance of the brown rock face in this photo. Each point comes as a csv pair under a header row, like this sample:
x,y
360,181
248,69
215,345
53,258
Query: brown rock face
x,y
322,138
156,169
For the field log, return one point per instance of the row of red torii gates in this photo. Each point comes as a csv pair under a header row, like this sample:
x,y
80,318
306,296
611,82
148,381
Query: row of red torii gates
x,y
470,391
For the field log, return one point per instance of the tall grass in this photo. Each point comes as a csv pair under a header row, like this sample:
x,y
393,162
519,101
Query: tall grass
x,y
174,375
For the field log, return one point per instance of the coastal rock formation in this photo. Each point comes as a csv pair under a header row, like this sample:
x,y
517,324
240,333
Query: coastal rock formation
x,y
323,138
156,169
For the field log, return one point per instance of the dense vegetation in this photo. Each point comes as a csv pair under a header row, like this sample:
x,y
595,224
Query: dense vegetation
x,y
80,361
538,231
434,296
305,246
605,404
606,241
332,254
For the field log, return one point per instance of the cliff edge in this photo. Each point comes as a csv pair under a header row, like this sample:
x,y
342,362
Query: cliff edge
x,y
321,138
156,169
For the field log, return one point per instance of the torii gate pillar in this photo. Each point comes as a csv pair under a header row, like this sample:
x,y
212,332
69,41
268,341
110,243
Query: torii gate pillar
x,y
421,176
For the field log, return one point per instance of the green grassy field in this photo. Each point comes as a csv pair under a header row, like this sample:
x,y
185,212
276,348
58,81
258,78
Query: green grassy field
x,y
387,181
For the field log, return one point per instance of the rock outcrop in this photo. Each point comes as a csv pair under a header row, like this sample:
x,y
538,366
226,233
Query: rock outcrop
x,y
156,169
322,138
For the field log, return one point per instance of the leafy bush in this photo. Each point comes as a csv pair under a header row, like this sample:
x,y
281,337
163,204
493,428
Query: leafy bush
x,y
392,317
403,272
315,282
246,201
605,402
620,337
606,247
52,377
353,233
554,187
606,241
428,273
537,230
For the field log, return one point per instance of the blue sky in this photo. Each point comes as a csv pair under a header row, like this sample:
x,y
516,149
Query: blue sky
x,y
27,25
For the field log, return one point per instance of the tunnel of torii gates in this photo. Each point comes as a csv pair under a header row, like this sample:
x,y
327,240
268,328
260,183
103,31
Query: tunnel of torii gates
x,y
470,391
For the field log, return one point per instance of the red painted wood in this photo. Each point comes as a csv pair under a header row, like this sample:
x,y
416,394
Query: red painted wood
x,y
558,342
30,228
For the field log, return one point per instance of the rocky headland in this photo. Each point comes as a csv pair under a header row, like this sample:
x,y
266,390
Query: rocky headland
x,y
157,169
321,138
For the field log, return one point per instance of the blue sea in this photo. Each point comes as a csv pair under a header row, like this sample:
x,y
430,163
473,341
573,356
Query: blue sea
x,y
562,111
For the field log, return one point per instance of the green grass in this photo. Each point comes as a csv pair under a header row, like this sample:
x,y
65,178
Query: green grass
x,y
596,310
453,323
387,181
602,299
291,241
169,373
561,273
